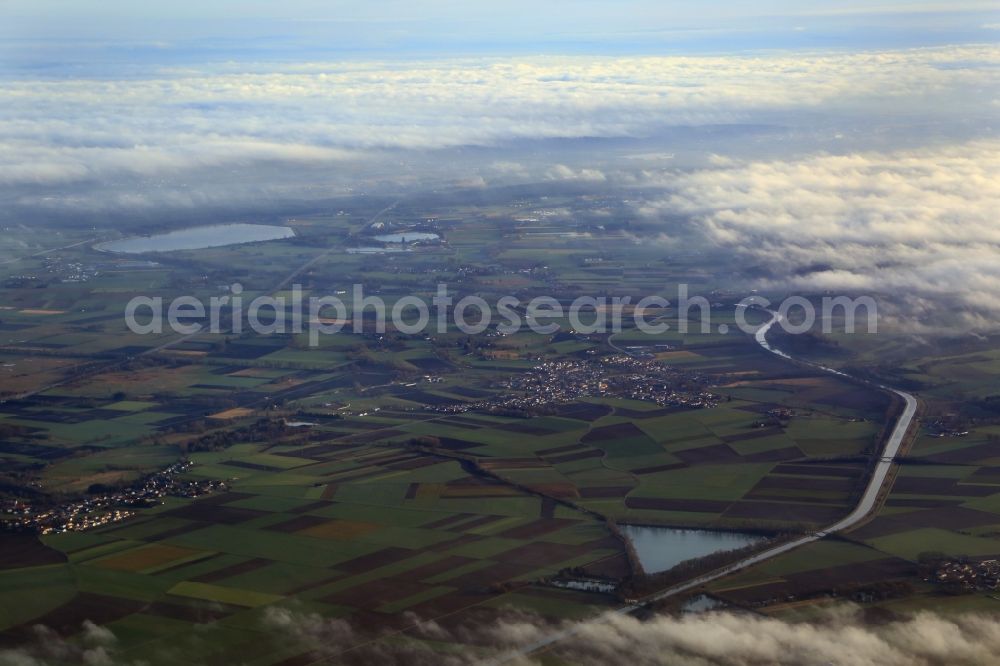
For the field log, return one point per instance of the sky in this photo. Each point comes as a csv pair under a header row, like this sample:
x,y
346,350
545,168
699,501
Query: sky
x,y
840,145
49,33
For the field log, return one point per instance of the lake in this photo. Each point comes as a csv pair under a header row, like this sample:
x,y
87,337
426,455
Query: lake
x,y
662,548
374,250
406,237
197,238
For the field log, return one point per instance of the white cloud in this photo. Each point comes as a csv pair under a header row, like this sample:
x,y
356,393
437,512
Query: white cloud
x,y
837,639
920,222
838,636
70,130
563,172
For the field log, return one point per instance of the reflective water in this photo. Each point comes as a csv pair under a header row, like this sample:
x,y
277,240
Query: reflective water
x,y
406,237
373,250
662,548
196,238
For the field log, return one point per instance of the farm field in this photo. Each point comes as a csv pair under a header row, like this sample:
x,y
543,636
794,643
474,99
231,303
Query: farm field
x,y
380,479
943,504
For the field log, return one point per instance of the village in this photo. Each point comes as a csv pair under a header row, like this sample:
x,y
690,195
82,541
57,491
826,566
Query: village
x,y
104,508
968,576
619,376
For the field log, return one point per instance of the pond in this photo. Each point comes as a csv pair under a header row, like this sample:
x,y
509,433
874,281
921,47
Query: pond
x,y
663,548
374,250
406,237
197,238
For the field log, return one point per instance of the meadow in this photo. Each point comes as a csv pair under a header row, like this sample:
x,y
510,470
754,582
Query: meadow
x,y
381,493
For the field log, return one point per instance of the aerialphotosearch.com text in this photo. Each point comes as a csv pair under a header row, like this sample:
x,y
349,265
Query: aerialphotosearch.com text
x,y
357,312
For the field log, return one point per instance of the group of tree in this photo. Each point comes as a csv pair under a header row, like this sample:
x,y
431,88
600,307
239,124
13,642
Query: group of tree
x,y
259,431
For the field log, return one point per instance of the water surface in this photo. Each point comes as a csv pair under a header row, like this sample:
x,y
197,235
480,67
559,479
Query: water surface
x,y
197,238
406,237
663,548
374,250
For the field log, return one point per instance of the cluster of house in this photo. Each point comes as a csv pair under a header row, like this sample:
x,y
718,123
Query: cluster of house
x,y
969,575
619,376
945,428
70,271
103,508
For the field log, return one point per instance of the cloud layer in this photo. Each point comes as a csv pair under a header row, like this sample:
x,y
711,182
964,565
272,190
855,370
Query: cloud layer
x,y
918,222
167,121
255,137
838,637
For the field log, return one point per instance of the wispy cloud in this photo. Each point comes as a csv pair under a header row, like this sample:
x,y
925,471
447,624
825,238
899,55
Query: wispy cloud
x,y
838,636
86,130
920,222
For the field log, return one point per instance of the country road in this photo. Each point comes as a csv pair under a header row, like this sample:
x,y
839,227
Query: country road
x,y
864,507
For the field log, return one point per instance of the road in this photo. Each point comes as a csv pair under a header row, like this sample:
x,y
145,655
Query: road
x,y
889,453
864,507
323,255
49,251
